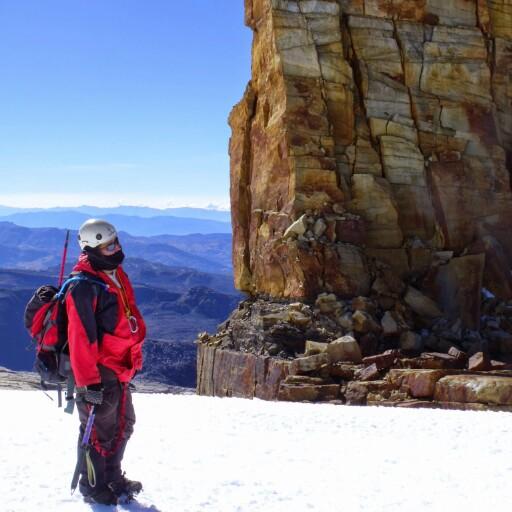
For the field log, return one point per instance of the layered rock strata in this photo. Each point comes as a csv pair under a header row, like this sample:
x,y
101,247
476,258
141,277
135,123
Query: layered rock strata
x,y
432,380
371,157
355,352
386,123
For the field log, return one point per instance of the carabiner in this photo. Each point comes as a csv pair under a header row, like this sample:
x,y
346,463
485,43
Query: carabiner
x,y
134,325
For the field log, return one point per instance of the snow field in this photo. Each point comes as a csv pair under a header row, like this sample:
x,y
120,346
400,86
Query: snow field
x,y
197,454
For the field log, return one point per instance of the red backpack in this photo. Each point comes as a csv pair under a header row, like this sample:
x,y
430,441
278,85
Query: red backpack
x,y
47,323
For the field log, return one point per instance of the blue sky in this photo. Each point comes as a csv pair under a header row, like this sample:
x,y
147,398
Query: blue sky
x,y
119,101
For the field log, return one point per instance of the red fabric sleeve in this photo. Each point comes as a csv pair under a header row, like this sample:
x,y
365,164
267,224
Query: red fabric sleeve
x,y
82,336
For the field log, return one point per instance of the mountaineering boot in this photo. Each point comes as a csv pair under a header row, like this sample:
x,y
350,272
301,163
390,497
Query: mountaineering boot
x,y
125,486
103,496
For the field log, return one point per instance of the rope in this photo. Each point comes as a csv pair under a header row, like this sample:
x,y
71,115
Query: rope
x,y
125,301
120,433
91,472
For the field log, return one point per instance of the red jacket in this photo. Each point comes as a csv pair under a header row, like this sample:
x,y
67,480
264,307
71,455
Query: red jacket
x,y
98,326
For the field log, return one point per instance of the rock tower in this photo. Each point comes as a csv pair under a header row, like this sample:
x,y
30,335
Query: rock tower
x,y
371,161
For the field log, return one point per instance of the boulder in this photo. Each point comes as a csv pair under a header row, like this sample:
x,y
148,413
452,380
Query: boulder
x,y
417,383
384,360
442,360
314,347
479,362
498,365
485,389
370,372
345,348
309,364
298,318
421,304
389,324
457,353
327,303
364,322
357,391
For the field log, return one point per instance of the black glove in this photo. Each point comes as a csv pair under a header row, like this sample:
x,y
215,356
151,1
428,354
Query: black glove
x,y
46,293
92,394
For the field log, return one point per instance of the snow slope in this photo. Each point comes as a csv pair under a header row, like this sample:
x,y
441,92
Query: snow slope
x,y
198,454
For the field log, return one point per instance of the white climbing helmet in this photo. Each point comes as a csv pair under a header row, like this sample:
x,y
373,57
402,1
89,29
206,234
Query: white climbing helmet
x,y
94,232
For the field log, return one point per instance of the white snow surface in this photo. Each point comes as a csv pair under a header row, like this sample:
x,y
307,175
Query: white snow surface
x,y
196,454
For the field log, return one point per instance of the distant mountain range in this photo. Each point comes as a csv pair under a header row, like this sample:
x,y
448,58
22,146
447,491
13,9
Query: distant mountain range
x,y
41,248
176,304
137,211
182,277
135,225
141,272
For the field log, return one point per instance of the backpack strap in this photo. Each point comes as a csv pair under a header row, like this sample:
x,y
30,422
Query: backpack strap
x,y
75,278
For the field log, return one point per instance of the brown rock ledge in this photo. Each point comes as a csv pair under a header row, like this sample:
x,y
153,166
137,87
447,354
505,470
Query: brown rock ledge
x,y
227,373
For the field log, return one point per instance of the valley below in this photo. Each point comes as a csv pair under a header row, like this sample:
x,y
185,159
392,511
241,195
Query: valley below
x,y
183,285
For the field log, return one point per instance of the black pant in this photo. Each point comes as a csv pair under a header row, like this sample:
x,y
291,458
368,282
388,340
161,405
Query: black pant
x,y
107,424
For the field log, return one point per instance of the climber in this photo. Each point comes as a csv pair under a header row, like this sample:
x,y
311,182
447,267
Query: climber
x,y
105,334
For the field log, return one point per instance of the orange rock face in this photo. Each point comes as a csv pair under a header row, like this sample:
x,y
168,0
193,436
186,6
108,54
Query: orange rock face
x,y
383,121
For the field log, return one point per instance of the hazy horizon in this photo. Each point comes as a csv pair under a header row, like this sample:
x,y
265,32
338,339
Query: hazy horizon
x,y
73,202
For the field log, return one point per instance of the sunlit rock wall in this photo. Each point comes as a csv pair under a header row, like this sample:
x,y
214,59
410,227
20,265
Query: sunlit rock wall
x,y
373,130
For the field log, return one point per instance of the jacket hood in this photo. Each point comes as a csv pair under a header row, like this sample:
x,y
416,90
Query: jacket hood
x,y
84,265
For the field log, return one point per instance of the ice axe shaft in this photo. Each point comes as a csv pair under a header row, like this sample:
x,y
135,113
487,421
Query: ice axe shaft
x,y
64,256
83,449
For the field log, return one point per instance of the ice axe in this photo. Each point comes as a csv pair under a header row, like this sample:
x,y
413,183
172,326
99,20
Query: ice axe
x,y
64,256
71,381
83,452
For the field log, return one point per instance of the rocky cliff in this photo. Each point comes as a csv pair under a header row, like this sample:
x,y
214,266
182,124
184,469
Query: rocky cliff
x,y
371,158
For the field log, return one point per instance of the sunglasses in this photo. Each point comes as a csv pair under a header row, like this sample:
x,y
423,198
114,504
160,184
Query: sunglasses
x,y
110,246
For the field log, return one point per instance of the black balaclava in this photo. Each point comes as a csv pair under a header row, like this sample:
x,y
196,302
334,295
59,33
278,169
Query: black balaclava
x,y
99,261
